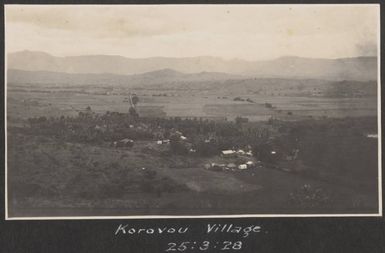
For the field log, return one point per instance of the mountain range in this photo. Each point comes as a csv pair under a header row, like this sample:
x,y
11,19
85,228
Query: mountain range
x,y
97,67
163,76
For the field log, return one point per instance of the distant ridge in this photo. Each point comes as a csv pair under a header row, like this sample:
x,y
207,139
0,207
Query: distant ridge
x,y
358,68
148,78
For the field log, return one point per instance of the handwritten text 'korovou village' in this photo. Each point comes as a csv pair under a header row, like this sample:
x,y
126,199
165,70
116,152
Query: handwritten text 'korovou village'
x,y
244,231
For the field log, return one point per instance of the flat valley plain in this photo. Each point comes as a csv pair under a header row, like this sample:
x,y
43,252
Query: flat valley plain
x,y
24,101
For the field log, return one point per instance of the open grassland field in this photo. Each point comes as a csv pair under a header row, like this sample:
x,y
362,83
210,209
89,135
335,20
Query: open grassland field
x,y
26,101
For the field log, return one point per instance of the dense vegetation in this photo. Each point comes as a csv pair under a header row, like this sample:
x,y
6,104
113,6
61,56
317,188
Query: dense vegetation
x,y
336,149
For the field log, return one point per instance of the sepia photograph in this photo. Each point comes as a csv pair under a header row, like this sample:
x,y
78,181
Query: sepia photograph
x,y
151,111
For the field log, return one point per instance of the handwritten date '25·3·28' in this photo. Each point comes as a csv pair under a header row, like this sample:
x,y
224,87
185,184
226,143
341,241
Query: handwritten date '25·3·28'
x,y
203,246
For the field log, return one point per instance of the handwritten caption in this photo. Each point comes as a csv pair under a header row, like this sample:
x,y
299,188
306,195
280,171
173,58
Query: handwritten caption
x,y
242,232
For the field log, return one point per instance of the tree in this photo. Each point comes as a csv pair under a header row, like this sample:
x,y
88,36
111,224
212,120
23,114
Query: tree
x,y
268,105
263,152
240,120
238,99
135,99
207,149
176,146
133,113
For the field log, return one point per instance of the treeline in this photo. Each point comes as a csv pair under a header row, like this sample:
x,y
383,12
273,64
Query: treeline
x,y
88,128
96,128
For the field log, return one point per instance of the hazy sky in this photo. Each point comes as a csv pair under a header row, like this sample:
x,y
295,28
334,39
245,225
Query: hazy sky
x,y
250,32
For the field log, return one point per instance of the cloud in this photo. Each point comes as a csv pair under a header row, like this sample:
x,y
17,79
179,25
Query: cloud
x,y
95,21
229,31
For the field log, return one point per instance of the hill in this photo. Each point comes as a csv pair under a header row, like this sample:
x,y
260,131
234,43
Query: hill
x,y
164,76
359,68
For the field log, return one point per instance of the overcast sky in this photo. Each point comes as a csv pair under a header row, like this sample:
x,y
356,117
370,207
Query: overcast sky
x,y
252,32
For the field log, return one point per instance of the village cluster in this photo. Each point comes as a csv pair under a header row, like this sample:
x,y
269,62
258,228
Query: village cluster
x,y
236,159
225,146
